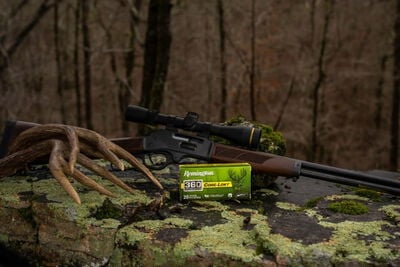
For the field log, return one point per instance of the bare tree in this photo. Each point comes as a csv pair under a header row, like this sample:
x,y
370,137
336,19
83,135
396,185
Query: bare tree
x,y
125,93
284,105
317,87
85,7
7,52
59,67
394,138
222,61
334,70
156,57
77,84
252,71
379,92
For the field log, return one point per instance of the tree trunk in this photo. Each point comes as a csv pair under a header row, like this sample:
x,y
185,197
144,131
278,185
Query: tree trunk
x,y
157,49
125,93
59,67
85,5
9,51
284,105
379,93
221,28
79,119
394,133
253,62
316,90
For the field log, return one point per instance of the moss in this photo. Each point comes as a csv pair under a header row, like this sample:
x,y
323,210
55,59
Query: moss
x,y
155,225
227,242
284,249
288,206
28,215
107,223
392,211
369,193
311,203
348,197
206,206
359,241
108,210
348,207
362,242
229,239
94,205
10,190
225,239
130,236
4,239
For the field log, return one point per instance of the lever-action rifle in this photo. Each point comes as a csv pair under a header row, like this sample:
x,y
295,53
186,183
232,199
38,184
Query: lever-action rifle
x,y
176,145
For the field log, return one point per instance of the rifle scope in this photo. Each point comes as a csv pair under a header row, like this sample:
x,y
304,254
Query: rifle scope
x,y
246,136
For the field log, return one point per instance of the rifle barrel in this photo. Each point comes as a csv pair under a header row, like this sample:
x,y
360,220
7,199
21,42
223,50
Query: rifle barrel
x,y
349,177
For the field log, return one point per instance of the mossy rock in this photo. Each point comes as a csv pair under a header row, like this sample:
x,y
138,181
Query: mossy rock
x,y
41,222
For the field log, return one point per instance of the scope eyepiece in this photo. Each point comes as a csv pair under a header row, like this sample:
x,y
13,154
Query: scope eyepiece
x,y
246,136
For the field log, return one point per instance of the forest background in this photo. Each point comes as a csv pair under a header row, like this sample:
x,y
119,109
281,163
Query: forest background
x,y
325,73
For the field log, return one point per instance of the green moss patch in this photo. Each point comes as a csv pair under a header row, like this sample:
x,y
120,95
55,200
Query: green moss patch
x,y
348,207
108,210
311,203
371,194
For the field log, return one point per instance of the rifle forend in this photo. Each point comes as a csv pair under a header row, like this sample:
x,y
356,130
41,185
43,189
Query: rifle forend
x,y
245,136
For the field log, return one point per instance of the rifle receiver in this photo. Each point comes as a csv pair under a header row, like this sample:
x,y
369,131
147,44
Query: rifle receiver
x,y
245,136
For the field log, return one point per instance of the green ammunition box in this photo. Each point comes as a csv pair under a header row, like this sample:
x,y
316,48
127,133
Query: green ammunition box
x,y
215,181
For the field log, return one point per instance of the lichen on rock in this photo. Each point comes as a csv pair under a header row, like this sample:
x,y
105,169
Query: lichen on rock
x,y
39,219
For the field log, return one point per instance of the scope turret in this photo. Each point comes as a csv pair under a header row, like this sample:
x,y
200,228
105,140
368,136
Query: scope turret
x,y
245,136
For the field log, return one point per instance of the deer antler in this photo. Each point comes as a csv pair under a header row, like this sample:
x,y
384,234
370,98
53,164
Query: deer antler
x,y
66,146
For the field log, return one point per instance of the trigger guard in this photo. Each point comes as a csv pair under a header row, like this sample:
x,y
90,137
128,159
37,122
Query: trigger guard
x,y
177,157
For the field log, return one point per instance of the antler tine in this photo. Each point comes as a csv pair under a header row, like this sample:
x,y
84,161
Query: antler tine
x,y
100,143
83,179
88,163
49,131
110,149
56,168
122,153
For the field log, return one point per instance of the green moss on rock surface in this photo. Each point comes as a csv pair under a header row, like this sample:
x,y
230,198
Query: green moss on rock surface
x,y
369,193
348,207
129,231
